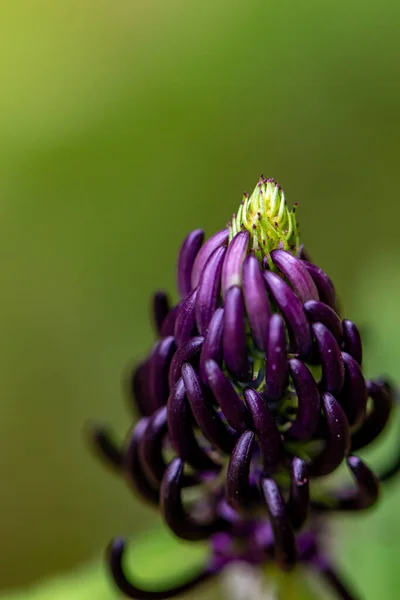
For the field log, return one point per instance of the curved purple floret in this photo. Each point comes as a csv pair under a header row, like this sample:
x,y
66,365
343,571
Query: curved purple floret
x,y
238,489
208,420
378,417
159,369
354,396
352,340
212,346
331,359
234,335
276,368
186,259
182,523
181,432
265,427
232,406
324,285
285,541
308,408
233,261
256,300
214,242
338,438
185,324
168,325
160,309
299,498
367,484
296,274
292,311
319,312
188,352
138,389
151,447
105,446
133,468
115,556
209,290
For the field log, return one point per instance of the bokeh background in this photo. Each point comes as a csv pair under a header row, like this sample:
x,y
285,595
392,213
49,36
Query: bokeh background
x,y
123,125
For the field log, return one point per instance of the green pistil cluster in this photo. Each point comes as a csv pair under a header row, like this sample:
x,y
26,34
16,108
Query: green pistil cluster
x,y
267,217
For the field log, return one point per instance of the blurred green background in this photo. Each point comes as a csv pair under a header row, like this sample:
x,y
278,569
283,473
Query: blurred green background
x,y
125,124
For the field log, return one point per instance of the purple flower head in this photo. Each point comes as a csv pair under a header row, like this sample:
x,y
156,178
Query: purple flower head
x,y
251,395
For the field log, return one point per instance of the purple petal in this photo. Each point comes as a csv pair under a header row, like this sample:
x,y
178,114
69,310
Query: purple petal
x,y
234,335
308,409
214,242
367,491
296,274
276,368
238,491
139,388
173,511
151,446
160,363
168,325
104,445
188,352
133,467
285,541
324,285
187,255
152,400
115,559
233,262
212,346
256,301
160,309
375,422
364,496
352,340
299,497
181,433
233,408
322,313
331,359
354,396
338,441
209,290
205,415
293,313
185,324
269,437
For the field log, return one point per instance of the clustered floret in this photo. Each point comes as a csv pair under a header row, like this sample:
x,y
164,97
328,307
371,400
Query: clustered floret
x,y
252,393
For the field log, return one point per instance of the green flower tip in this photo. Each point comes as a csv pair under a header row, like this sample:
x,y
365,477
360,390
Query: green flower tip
x,y
267,217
